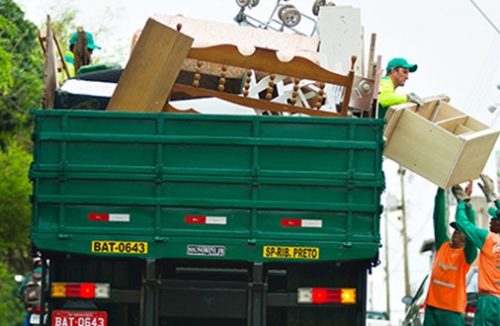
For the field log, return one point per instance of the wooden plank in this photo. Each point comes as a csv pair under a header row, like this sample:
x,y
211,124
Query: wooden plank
x,y
371,57
152,69
472,160
423,148
50,80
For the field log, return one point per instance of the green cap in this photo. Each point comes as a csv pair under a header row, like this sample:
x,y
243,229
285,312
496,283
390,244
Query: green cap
x,y
90,40
401,62
495,213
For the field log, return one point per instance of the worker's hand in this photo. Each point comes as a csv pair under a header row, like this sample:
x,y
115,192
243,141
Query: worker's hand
x,y
468,188
459,193
414,98
488,188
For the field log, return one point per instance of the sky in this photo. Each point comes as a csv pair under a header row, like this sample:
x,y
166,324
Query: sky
x,y
456,49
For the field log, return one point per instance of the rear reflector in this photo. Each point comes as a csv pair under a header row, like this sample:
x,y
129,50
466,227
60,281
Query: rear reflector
x,y
326,295
80,290
105,217
301,223
199,219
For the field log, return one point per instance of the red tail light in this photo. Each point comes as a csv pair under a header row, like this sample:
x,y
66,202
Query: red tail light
x,y
326,295
322,295
80,290
470,308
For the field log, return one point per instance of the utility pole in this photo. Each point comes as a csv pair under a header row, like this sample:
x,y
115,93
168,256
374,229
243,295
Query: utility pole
x,y
401,172
386,267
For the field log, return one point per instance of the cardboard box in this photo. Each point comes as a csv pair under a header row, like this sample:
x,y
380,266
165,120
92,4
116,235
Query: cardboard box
x,y
438,142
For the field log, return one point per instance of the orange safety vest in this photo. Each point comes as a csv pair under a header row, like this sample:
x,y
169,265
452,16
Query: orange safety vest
x,y
489,265
447,289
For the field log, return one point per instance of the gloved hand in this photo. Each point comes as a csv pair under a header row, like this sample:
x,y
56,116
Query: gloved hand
x,y
488,188
459,193
414,98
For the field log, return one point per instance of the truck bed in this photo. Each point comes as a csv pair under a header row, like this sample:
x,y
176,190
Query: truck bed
x,y
241,188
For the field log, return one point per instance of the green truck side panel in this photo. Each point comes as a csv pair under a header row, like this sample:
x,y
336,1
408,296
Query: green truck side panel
x,y
254,171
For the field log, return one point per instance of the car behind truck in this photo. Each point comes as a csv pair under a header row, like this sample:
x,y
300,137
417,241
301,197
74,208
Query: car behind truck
x,y
178,219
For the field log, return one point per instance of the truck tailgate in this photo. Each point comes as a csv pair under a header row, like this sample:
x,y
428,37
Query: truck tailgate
x,y
251,188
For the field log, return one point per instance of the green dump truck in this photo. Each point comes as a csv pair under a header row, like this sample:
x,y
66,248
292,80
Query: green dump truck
x,y
178,219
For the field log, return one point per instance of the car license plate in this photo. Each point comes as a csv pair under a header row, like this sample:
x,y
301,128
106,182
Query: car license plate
x,y
35,319
79,318
290,252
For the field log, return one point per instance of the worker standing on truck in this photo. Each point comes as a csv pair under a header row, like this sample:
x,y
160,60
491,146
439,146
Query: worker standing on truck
x,y
447,297
488,242
397,72
81,47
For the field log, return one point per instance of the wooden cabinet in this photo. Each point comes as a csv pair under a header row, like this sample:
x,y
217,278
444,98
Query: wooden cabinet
x,y
438,141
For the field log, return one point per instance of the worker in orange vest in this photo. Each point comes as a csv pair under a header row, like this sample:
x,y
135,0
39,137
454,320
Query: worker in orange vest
x,y
488,242
447,297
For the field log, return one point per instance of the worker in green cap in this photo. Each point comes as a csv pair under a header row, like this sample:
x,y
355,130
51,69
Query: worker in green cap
x,y
397,72
82,45
447,296
488,242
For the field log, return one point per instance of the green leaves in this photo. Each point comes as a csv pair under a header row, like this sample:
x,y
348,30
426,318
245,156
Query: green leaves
x,y
15,189
11,308
21,70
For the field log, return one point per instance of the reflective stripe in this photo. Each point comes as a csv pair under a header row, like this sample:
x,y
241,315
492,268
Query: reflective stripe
x,y
448,267
448,285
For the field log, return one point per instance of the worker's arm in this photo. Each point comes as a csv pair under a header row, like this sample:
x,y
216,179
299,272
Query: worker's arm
x,y
387,95
475,235
470,250
440,235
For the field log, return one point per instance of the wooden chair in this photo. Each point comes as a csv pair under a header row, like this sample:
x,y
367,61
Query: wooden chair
x,y
267,62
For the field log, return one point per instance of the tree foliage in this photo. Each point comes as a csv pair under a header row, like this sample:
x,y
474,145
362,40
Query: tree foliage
x,y
11,307
21,70
15,188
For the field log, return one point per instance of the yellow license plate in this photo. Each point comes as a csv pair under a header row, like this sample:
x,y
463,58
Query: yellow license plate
x,y
119,247
290,252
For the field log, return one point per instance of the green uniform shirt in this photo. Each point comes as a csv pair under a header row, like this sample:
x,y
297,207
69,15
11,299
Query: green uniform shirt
x,y
434,316
488,306
440,227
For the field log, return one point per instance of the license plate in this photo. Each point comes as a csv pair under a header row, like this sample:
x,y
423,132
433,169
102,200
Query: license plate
x,y
290,252
120,247
35,319
79,318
